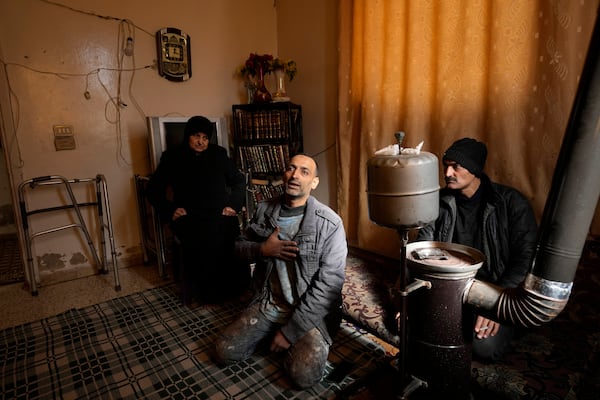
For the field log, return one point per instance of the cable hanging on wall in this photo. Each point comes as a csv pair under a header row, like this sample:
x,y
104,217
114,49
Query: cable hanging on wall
x,y
125,49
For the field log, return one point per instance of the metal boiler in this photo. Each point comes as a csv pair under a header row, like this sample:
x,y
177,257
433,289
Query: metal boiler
x,y
403,189
403,193
440,332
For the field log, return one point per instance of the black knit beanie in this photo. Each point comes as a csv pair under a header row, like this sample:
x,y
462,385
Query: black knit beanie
x,y
469,153
198,124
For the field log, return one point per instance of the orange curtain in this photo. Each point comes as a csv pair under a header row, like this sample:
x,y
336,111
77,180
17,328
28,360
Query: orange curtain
x,y
504,72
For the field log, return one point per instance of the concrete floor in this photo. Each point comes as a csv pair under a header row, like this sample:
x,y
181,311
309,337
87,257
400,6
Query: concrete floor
x,y
18,306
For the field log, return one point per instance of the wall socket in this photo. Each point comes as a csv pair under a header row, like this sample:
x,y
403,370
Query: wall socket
x,y
64,138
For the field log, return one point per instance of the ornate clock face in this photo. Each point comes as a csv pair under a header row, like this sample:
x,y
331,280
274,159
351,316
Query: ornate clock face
x,y
174,52
174,56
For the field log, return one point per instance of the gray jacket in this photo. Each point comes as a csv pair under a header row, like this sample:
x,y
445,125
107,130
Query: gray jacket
x,y
320,266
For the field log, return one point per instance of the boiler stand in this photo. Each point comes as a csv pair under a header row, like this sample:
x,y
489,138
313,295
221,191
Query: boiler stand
x,y
415,383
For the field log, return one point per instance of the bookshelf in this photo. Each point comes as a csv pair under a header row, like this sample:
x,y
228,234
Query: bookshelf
x,y
265,136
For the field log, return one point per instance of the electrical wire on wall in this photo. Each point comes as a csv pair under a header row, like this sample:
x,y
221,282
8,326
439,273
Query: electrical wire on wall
x,y
125,49
14,140
324,150
15,106
125,41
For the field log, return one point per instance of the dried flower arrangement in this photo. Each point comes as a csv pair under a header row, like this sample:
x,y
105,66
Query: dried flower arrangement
x,y
267,64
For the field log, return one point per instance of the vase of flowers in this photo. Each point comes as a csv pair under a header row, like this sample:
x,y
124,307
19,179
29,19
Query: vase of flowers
x,y
281,69
261,94
254,71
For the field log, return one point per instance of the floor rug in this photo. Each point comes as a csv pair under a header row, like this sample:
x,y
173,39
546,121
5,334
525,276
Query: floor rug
x,y
148,346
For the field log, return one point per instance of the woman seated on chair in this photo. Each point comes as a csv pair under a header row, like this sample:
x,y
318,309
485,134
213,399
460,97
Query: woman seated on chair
x,y
207,191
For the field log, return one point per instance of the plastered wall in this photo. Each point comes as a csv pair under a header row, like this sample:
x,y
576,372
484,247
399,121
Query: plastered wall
x,y
53,55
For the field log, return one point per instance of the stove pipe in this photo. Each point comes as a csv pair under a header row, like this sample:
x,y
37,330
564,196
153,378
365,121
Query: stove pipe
x,y
567,216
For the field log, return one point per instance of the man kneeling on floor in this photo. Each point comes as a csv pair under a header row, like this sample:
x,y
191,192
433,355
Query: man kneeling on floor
x,y
299,247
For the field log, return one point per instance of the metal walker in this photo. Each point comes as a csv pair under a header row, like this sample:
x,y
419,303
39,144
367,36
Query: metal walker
x,y
103,214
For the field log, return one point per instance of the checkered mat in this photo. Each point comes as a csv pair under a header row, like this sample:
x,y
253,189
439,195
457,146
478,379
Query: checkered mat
x,y
148,346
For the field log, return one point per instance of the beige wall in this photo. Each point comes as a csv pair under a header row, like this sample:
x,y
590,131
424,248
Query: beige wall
x,y
309,35
48,50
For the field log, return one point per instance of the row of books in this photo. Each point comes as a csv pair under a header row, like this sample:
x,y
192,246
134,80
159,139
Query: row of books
x,y
264,124
264,159
266,192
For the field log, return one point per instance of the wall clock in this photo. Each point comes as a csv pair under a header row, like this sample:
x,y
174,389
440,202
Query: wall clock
x,y
174,54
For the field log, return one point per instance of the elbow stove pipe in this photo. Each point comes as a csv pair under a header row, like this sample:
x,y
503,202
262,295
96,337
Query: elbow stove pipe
x,y
533,303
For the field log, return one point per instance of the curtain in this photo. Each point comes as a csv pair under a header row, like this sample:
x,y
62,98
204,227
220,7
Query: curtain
x,y
503,72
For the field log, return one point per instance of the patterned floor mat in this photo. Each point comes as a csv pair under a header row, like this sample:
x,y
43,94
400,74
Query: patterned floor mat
x,y
148,346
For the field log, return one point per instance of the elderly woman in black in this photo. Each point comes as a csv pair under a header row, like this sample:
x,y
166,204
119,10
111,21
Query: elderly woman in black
x,y
198,190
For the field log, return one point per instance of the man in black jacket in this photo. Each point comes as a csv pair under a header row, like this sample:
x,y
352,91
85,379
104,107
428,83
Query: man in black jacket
x,y
198,190
495,219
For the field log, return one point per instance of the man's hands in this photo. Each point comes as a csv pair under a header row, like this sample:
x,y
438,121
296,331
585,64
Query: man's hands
x,y
279,343
274,247
485,327
179,212
229,212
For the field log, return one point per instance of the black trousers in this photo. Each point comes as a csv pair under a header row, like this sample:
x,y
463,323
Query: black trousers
x,y
208,269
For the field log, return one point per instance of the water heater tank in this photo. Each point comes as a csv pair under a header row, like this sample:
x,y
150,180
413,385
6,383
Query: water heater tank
x,y
403,189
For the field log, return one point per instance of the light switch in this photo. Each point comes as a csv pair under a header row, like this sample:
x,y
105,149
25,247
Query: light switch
x,y
64,138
